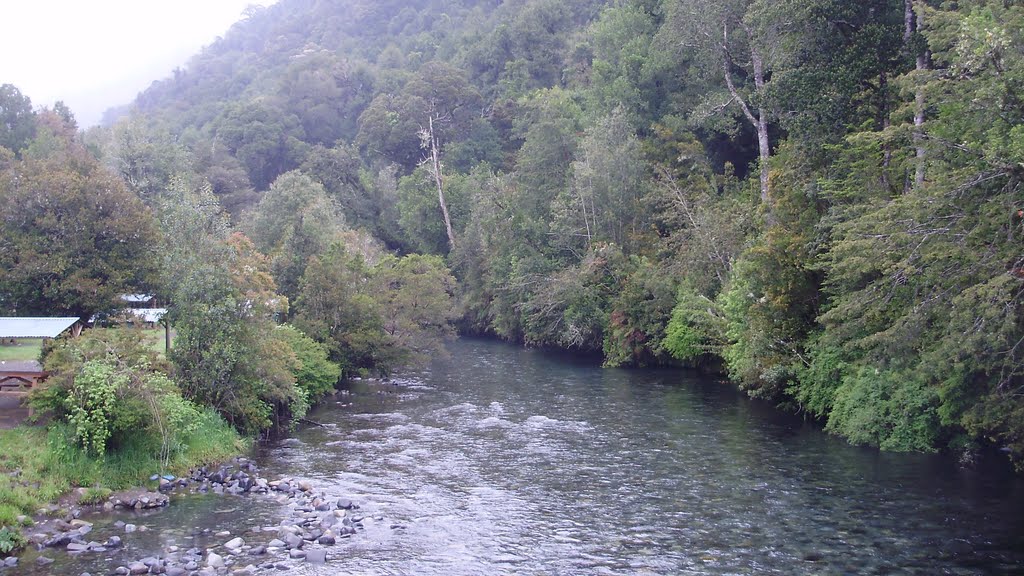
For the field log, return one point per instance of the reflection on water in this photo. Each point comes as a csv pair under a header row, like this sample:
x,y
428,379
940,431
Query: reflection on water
x,y
508,461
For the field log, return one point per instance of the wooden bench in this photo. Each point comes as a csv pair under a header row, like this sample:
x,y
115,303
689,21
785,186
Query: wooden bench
x,y
20,382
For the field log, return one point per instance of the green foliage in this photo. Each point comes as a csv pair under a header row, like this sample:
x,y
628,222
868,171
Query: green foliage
x,y
819,379
294,221
40,465
873,279
314,374
891,409
54,268
395,313
11,540
638,317
17,120
105,386
95,495
223,303
420,211
91,405
696,328
334,308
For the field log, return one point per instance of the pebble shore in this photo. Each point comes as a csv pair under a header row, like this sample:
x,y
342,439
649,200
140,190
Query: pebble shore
x,y
315,524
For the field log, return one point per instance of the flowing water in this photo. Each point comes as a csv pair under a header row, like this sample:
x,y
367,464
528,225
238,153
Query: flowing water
x,y
508,461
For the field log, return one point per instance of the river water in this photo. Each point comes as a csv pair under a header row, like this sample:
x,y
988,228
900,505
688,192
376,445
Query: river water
x,y
501,460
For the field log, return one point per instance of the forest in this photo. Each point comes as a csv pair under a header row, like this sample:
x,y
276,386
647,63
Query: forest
x,y
820,199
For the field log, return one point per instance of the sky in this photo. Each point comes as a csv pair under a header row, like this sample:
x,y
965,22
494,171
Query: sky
x,y
98,54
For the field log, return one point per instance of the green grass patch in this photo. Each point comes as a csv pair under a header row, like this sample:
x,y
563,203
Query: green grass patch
x,y
22,349
154,339
39,465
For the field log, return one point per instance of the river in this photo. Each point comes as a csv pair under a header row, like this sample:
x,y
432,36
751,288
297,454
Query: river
x,y
500,460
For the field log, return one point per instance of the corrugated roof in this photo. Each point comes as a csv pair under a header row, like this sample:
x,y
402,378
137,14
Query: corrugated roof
x,y
34,327
20,366
152,315
137,297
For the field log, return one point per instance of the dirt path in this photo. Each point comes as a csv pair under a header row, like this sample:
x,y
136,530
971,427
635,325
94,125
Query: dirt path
x,y
12,413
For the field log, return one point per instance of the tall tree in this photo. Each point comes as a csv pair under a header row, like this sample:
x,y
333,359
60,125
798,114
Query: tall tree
x,y
17,121
73,238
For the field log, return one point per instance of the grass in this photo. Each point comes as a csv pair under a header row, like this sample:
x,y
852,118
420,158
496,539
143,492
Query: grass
x,y
38,465
23,349
154,338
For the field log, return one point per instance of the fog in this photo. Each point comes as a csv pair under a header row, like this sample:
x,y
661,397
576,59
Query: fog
x,y
98,55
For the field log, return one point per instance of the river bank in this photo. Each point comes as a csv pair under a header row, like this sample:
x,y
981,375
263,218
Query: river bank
x,y
312,524
44,476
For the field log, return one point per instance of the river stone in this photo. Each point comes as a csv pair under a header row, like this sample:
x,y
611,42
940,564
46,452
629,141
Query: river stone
x,y
129,528
137,568
214,560
77,547
176,571
275,543
327,539
234,544
296,553
43,560
113,542
259,550
59,540
316,556
305,485
344,504
293,541
121,571
11,561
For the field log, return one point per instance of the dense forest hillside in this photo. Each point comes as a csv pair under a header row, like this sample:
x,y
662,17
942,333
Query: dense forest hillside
x,y
823,198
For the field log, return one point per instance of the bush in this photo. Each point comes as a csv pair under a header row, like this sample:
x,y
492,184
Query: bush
x,y
90,405
104,386
314,373
889,409
696,328
10,540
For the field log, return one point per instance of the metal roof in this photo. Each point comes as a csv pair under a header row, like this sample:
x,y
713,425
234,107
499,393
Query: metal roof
x,y
34,327
20,366
136,297
152,315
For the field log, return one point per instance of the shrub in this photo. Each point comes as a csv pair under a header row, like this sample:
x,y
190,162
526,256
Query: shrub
x,y
886,408
10,540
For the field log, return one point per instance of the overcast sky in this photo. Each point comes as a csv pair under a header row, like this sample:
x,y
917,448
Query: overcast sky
x,y
97,54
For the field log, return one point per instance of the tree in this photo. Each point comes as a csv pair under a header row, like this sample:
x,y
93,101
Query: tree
x,y
74,239
923,329
145,157
223,302
603,202
336,306
418,306
294,221
17,121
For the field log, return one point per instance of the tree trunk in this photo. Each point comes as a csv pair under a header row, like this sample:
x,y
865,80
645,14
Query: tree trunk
x,y
759,121
912,23
436,162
